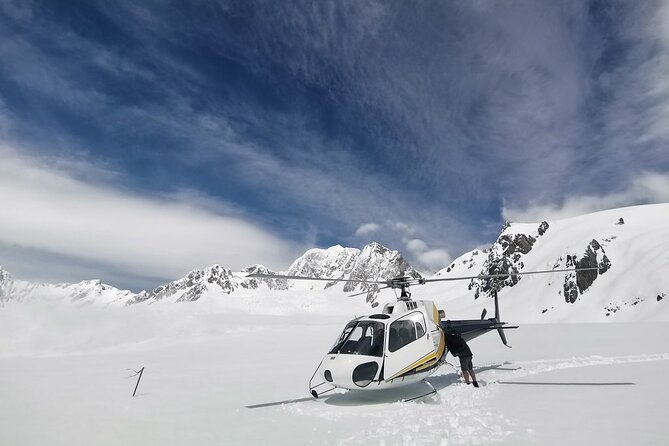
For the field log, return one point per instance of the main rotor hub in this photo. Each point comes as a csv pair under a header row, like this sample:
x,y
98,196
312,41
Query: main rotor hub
x,y
402,284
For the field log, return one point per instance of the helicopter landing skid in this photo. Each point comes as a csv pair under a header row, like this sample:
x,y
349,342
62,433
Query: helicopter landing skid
x,y
431,392
315,394
312,388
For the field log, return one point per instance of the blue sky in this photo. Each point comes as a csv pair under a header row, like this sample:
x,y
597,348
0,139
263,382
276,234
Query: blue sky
x,y
140,140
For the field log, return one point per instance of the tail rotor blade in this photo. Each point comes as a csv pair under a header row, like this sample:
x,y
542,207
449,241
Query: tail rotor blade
x,y
503,337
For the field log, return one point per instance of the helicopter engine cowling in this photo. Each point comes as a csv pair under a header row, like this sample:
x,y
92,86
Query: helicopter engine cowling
x,y
351,371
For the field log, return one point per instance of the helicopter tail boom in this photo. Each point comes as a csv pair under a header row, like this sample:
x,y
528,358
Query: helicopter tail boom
x,y
470,329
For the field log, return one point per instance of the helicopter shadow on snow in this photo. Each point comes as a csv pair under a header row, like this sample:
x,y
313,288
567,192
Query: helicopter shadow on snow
x,y
388,396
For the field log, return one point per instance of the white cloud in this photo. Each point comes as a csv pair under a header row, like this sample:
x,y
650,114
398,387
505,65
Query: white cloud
x,y
431,259
416,246
402,227
50,209
647,188
367,228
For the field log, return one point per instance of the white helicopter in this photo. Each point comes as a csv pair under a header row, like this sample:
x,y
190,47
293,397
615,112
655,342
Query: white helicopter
x,y
403,344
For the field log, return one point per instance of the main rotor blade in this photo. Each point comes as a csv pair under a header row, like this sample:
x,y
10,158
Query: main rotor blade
x,y
365,292
490,276
323,279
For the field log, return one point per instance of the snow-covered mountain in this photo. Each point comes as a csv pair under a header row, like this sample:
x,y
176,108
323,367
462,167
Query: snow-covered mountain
x,y
373,262
215,278
83,293
629,245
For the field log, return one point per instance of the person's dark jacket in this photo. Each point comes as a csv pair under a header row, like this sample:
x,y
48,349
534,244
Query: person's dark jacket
x,y
456,345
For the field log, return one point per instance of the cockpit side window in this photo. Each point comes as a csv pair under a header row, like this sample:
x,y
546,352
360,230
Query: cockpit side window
x,y
361,338
406,330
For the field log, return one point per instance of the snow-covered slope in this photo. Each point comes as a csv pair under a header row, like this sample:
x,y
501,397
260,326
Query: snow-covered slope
x,y
630,245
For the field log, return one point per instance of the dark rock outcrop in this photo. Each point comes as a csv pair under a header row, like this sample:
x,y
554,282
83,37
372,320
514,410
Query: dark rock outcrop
x,y
578,282
543,227
504,257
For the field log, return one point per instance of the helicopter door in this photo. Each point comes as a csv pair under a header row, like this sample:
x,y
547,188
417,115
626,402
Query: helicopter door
x,y
408,345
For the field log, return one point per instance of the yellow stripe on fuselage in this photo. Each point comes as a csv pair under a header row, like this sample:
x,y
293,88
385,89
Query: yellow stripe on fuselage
x,y
438,355
426,361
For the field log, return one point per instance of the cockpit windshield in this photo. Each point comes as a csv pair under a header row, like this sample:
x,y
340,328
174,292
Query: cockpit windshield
x,y
360,338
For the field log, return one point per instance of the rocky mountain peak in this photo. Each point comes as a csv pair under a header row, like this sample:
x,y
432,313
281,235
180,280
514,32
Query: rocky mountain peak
x,y
335,262
5,284
253,282
376,262
4,275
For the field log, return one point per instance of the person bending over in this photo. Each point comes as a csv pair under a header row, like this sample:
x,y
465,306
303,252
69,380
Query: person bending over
x,y
458,347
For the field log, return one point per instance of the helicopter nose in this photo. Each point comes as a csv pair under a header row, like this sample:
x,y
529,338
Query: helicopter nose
x,y
351,371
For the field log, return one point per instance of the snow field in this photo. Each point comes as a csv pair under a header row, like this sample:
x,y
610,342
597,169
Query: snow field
x,y
236,379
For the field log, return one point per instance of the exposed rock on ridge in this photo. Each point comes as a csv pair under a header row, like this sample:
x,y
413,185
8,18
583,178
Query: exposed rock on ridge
x,y
578,282
215,278
373,262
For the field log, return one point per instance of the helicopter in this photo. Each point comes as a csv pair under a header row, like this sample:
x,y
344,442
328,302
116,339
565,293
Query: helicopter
x,y
403,344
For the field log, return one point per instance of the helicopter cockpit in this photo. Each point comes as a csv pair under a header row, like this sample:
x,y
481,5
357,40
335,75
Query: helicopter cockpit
x,y
366,337
360,338
386,346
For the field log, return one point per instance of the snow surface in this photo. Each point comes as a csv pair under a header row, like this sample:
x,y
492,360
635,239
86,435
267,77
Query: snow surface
x,y
222,376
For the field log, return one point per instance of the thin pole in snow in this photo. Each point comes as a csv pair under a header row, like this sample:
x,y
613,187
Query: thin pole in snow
x,y
138,379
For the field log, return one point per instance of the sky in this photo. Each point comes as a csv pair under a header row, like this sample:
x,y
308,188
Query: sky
x,y
143,139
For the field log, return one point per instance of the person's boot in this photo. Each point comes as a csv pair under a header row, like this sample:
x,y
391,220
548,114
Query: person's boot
x,y
475,383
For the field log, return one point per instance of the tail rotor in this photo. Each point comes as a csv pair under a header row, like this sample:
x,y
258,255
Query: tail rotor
x,y
500,330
